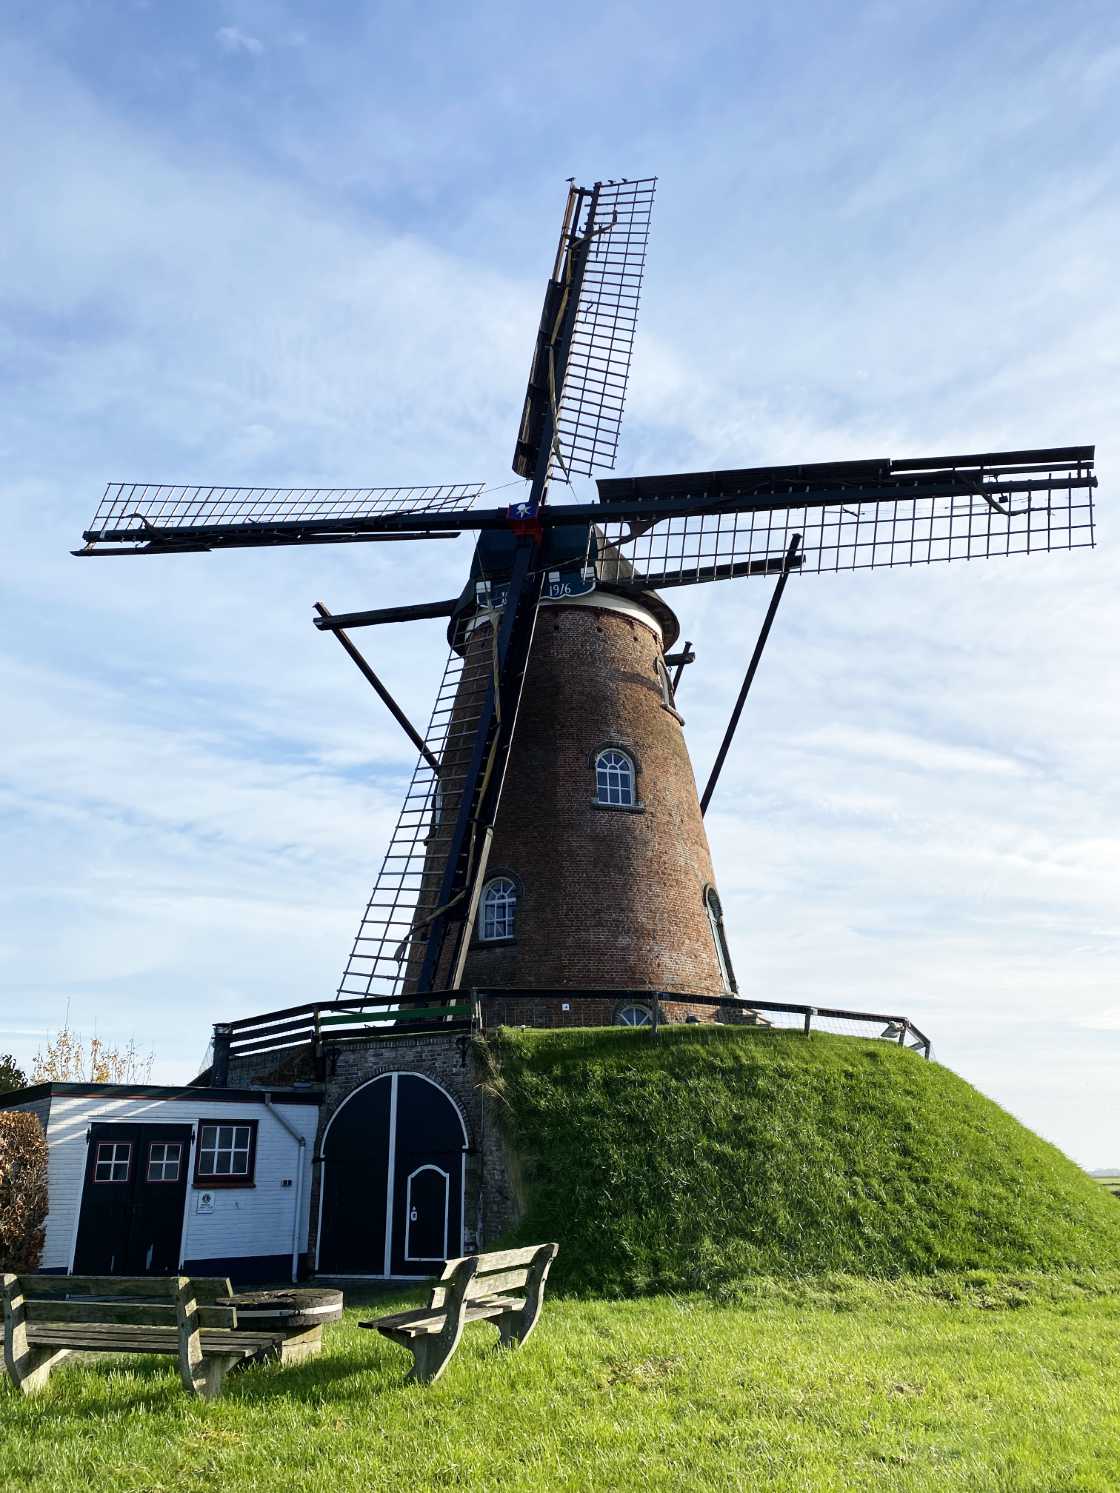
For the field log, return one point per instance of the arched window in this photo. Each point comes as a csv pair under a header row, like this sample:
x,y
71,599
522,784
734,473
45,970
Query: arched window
x,y
499,909
614,779
631,1015
719,938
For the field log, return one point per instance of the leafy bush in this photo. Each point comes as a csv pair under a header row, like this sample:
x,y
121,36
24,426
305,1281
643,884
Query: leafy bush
x,y
23,1190
12,1076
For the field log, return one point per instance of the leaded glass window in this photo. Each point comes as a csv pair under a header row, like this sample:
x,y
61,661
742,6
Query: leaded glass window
x,y
499,909
614,779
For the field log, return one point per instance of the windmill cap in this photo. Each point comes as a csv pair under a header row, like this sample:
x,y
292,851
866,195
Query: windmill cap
x,y
568,549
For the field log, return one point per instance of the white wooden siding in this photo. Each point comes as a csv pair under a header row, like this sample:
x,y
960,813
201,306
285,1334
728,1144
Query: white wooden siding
x,y
246,1221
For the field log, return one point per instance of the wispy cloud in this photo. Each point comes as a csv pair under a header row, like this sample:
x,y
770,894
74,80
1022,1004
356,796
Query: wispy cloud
x,y
232,39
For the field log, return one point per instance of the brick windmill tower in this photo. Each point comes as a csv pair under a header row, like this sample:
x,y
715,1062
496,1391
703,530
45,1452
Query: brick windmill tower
x,y
550,852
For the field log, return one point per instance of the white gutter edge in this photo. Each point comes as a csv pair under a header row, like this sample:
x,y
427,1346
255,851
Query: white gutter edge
x,y
301,1142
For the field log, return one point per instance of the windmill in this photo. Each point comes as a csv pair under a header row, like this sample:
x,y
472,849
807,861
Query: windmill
x,y
597,570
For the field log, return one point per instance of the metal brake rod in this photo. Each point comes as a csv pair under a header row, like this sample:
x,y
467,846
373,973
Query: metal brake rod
x,y
752,669
371,678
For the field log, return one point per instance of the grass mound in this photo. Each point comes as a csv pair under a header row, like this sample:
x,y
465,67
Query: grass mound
x,y
705,1155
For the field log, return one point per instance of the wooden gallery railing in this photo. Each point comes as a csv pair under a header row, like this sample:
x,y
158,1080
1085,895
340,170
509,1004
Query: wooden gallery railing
x,y
319,1025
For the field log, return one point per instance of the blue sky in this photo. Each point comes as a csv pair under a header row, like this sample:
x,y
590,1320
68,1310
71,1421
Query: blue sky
x,y
293,244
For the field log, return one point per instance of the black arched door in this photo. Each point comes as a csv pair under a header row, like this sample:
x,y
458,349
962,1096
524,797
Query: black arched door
x,y
392,1182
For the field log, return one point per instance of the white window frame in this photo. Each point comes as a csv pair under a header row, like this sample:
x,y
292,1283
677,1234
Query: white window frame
x,y
169,1163
616,779
635,1006
498,910
113,1160
206,1175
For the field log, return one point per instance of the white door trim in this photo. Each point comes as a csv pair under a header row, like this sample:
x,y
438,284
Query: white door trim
x,y
391,1175
429,1166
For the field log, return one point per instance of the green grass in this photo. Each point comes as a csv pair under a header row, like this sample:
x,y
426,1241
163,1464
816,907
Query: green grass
x,y
970,1383
705,1155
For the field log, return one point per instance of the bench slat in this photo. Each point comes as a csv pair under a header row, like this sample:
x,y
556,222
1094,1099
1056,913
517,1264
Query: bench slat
x,y
499,1259
124,1313
424,1319
107,1339
140,1287
95,1339
504,1283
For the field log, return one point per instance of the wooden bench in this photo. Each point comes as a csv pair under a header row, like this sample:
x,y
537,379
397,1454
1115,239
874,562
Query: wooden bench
x,y
506,1288
48,1317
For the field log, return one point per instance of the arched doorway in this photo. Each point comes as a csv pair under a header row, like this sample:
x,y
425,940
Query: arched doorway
x,y
391,1190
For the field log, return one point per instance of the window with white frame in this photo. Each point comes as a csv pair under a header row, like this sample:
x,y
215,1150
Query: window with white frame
x,y
112,1161
633,1015
714,910
163,1162
226,1152
614,779
499,909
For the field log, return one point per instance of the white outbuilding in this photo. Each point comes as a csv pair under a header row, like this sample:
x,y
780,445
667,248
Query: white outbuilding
x,y
145,1179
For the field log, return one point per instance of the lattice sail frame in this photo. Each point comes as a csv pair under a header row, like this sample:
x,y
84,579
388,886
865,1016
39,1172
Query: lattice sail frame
x,y
135,517
615,222
389,947
1005,517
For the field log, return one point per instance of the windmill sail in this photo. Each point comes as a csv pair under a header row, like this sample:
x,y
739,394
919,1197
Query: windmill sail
x,y
155,518
601,259
389,947
851,515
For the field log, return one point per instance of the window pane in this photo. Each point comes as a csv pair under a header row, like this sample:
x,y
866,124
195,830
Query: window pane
x,y
499,904
614,779
163,1163
112,1162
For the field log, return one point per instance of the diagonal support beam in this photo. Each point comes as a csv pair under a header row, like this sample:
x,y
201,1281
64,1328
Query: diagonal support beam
x,y
371,678
789,564
326,623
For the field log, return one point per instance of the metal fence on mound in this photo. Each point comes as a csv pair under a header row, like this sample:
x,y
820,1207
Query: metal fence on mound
x,y
730,1011
322,1025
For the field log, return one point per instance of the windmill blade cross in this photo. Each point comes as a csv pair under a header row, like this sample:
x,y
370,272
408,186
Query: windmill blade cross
x,y
148,518
680,530
581,362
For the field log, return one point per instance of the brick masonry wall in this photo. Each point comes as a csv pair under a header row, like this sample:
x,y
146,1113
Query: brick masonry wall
x,y
585,1010
608,897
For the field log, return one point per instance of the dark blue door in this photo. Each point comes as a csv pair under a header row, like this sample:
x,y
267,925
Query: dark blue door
x,y
131,1221
392,1180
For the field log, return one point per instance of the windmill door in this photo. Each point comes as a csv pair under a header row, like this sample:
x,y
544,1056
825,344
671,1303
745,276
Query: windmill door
x,y
131,1222
392,1180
